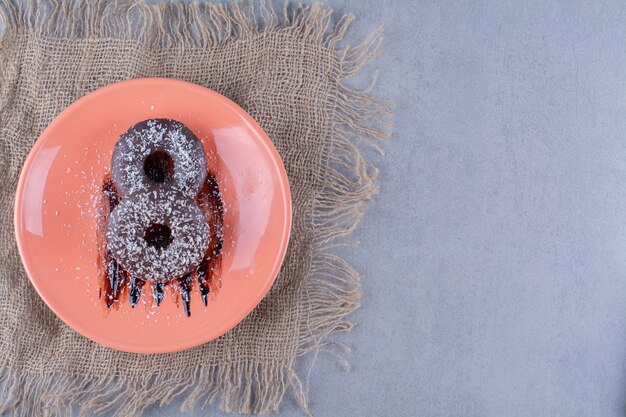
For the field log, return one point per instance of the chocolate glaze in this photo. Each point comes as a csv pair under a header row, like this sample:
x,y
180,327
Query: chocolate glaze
x,y
116,281
158,152
135,226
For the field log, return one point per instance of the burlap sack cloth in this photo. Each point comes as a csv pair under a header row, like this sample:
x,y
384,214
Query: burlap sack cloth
x,y
284,67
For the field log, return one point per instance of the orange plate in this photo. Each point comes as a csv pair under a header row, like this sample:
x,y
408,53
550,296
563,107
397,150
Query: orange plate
x,y
55,219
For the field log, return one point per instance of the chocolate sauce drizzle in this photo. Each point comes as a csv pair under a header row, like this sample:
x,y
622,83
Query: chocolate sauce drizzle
x,y
134,291
158,292
115,282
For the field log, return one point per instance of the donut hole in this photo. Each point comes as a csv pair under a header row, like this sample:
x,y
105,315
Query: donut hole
x,y
159,167
158,236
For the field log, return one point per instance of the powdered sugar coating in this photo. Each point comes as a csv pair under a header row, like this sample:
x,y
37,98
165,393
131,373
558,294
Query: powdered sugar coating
x,y
166,135
129,221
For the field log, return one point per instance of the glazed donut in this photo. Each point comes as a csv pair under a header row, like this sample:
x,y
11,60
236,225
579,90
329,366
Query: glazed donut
x,y
158,235
158,152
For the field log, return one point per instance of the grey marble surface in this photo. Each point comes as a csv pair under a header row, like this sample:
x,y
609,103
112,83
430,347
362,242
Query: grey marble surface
x,y
495,255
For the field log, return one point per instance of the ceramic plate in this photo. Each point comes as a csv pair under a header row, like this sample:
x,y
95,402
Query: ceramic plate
x,y
56,216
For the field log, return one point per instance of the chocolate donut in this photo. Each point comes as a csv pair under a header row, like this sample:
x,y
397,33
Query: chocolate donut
x,y
158,235
158,152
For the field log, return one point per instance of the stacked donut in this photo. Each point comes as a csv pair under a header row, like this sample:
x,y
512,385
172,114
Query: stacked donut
x,y
157,232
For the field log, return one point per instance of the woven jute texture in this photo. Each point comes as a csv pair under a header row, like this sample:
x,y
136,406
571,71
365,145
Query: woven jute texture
x,y
286,66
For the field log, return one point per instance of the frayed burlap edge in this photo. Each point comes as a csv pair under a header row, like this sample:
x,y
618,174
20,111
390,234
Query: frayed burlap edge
x,y
332,288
